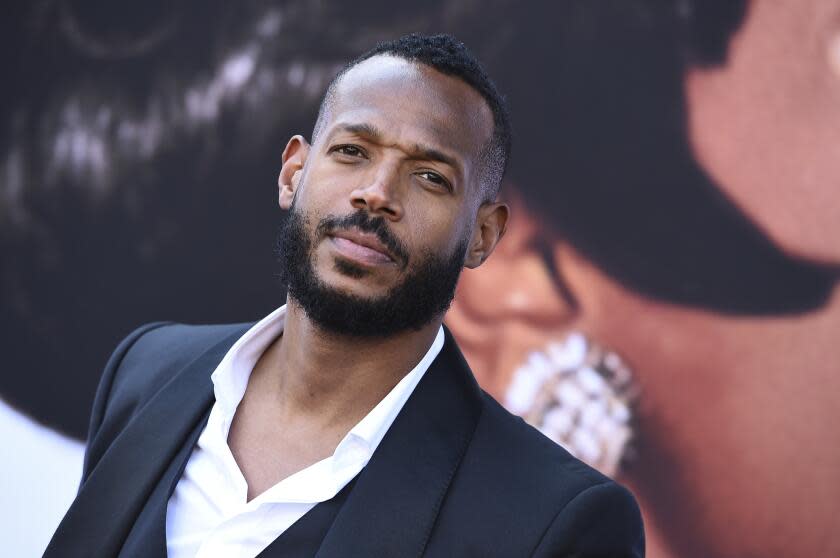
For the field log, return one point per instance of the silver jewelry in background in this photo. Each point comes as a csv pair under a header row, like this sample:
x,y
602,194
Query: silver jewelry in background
x,y
581,395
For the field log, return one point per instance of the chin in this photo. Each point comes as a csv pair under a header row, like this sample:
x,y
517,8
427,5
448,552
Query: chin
x,y
363,284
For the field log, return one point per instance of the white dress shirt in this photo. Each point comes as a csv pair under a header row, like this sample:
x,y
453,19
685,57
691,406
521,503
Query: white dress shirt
x,y
208,515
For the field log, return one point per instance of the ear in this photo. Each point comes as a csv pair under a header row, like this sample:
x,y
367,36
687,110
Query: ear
x,y
294,158
491,223
512,305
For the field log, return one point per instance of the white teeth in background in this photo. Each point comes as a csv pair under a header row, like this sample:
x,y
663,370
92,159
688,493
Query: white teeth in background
x,y
569,395
558,421
570,353
580,395
523,391
592,382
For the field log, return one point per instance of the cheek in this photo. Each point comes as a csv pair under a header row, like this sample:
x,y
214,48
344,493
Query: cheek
x,y
317,201
434,228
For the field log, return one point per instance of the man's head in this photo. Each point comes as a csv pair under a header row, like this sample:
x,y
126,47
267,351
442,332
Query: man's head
x,y
450,57
397,191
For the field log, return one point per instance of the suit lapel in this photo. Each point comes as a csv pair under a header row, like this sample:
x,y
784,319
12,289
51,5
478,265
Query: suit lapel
x,y
305,535
131,468
148,536
393,507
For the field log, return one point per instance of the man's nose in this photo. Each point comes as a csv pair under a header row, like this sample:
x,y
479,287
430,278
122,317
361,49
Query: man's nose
x,y
380,194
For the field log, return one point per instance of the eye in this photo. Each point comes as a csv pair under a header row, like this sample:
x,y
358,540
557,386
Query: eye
x,y
435,178
348,150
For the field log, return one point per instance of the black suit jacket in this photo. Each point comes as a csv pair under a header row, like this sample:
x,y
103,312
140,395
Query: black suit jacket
x,y
455,475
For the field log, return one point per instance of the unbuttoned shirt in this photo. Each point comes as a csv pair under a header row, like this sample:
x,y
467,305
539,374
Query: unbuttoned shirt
x,y
208,514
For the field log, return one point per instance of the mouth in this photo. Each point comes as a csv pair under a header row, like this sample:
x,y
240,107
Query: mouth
x,y
362,247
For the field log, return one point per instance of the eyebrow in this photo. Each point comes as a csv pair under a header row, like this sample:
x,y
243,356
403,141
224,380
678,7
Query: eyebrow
x,y
419,151
424,153
363,129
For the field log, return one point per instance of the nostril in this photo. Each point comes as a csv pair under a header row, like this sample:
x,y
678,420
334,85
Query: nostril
x,y
376,201
358,202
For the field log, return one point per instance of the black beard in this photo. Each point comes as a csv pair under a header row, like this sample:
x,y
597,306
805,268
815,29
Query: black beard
x,y
425,293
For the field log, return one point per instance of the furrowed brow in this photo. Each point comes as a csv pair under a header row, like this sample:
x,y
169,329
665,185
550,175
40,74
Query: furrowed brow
x,y
419,152
424,153
362,129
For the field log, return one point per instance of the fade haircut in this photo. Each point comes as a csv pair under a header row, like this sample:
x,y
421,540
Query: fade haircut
x,y
448,56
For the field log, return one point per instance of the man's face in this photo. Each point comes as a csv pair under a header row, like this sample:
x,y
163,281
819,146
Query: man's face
x,y
389,192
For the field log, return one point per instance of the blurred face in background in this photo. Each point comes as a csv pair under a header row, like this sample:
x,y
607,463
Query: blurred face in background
x,y
736,453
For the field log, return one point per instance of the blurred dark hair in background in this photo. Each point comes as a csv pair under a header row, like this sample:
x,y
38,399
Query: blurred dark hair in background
x,y
602,155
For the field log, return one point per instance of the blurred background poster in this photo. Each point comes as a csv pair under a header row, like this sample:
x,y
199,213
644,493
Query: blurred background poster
x,y
664,304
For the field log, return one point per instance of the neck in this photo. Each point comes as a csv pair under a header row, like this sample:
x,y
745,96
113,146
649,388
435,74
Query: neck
x,y
337,379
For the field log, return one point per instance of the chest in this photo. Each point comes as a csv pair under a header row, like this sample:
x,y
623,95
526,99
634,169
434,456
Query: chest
x,y
268,449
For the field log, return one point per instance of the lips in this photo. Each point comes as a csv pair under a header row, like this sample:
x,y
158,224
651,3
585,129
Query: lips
x,y
362,246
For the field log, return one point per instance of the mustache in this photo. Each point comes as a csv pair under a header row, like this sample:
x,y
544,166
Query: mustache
x,y
364,222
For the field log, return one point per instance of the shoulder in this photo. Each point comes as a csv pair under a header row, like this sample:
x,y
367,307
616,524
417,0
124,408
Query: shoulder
x,y
525,494
141,365
148,359
173,345
533,467
163,349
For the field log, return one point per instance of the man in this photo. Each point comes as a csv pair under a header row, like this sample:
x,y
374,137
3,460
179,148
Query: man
x,y
346,423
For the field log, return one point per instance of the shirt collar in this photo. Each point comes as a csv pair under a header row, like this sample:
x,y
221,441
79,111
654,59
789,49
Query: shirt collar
x,y
372,428
231,375
230,379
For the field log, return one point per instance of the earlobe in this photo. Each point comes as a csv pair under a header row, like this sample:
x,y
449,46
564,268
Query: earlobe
x,y
294,159
491,224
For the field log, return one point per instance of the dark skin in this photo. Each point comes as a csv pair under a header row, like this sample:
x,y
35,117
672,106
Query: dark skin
x,y
402,141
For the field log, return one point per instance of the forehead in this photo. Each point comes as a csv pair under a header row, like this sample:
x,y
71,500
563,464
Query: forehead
x,y
413,102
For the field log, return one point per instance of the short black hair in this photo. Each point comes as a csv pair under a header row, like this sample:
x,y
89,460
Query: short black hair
x,y
449,56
